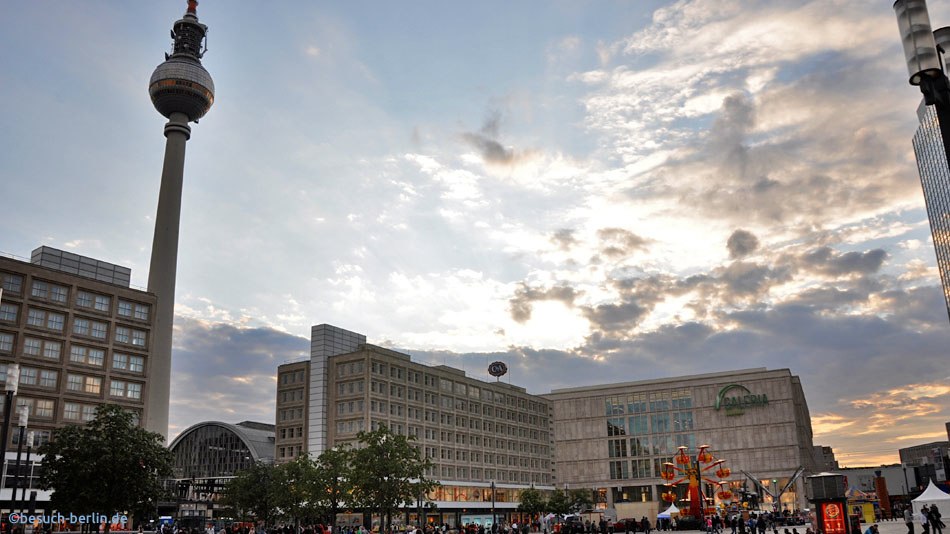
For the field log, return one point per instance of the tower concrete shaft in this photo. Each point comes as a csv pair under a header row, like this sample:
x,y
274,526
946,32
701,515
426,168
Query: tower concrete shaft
x,y
162,271
181,90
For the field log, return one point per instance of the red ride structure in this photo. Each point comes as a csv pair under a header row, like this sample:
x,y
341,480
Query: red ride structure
x,y
695,471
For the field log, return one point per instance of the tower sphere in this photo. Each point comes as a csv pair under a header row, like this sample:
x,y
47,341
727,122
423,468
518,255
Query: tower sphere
x,y
181,84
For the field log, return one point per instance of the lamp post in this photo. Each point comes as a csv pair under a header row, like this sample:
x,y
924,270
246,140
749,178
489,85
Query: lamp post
x,y
13,379
494,527
923,51
26,476
22,421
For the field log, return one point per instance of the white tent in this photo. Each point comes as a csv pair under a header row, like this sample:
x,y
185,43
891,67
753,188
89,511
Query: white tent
x,y
669,512
933,495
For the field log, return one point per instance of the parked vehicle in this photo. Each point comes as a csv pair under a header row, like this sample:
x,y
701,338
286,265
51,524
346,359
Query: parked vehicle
x,y
626,525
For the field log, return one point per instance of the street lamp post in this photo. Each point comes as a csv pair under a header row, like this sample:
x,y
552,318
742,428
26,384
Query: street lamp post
x,y
26,476
22,421
923,51
494,527
13,379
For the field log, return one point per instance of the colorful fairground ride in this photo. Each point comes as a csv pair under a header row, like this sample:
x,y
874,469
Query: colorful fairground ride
x,y
694,471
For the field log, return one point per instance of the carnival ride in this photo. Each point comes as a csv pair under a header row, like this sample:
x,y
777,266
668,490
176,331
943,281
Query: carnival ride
x,y
694,471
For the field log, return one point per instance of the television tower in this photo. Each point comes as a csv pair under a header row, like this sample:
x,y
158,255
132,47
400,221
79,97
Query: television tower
x,y
182,91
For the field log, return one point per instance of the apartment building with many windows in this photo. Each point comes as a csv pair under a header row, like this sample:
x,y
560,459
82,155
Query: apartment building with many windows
x,y
291,429
80,335
475,432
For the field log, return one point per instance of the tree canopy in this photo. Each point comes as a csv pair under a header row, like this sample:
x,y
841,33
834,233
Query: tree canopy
x,y
109,465
334,473
251,492
532,501
389,471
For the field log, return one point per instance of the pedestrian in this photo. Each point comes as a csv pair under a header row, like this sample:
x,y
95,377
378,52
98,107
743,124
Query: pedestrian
x,y
909,520
936,525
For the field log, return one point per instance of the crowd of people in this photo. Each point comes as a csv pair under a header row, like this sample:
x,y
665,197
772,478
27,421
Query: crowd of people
x,y
929,517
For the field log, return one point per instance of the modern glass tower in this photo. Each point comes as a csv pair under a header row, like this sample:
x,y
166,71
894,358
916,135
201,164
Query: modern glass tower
x,y
935,181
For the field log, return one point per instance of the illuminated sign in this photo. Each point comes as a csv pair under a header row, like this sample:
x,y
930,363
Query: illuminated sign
x,y
497,369
833,518
734,399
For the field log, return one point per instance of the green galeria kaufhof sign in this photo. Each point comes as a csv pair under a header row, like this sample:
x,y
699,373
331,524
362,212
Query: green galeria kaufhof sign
x,y
735,399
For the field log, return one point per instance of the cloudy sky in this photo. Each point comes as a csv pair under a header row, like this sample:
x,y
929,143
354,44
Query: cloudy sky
x,y
591,191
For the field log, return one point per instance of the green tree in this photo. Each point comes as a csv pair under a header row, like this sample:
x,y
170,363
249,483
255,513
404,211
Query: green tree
x,y
109,465
559,503
580,499
297,498
334,481
389,471
251,491
532,501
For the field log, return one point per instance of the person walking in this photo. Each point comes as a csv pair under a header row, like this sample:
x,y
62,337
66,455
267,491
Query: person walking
x,y
909,520
936,525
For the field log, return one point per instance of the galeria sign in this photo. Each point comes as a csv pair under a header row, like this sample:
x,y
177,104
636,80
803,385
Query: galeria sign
x,y
735,398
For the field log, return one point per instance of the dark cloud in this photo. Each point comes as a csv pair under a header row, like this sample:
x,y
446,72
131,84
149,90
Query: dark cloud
x,y
564,238
741,243
742,279
492,151
616,317
524,297
221,372
828,262
619,243
728,133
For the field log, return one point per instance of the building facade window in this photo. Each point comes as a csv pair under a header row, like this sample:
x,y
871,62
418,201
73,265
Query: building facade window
x,y
45,348
641,469
128,362
94,301
6,342
639,425
86,355
660,423
123,389
9,312
133,310
84,384
88,327
11,283
48,378
616,427
681,399
49,291
28,376
619,470
614,406
45,319
617,448
42,408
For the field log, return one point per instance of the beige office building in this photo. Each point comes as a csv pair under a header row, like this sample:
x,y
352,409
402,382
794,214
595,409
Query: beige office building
x,y
615,438
474,432
80,335
612,439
